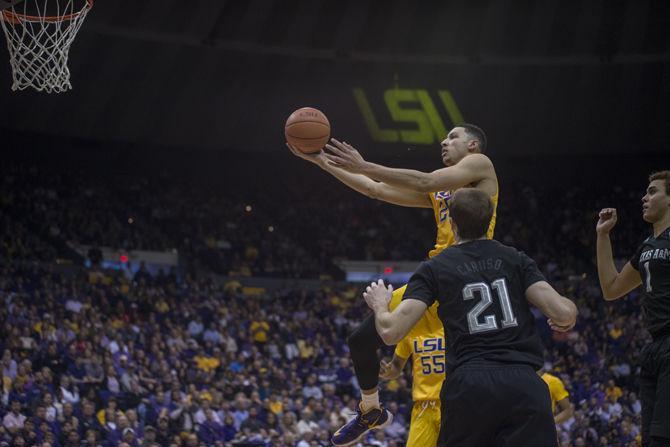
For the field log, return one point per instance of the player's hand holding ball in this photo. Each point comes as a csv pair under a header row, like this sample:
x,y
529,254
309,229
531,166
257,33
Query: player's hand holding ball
x,y
318,158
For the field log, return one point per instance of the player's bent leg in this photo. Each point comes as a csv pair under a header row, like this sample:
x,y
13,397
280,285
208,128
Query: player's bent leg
x,y
424,427
363,344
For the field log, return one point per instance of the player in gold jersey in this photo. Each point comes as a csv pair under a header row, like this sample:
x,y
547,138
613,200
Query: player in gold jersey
x,y
466,166
426,346
559,398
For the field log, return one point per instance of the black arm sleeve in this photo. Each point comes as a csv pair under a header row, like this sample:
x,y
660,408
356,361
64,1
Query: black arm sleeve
x,y
530,274
423,285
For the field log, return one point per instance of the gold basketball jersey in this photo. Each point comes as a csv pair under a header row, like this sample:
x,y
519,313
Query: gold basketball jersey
x,y
445,235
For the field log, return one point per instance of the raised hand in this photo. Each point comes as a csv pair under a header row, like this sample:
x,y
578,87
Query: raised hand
x,y
606,220
345,156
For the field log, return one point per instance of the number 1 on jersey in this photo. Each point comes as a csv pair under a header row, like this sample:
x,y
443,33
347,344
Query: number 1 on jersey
x,y
490,323
648,281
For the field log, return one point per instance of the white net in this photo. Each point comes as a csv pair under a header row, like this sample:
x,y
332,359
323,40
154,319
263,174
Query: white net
x,y
39,34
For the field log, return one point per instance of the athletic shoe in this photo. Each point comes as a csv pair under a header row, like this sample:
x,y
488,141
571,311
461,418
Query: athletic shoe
x,y
355,429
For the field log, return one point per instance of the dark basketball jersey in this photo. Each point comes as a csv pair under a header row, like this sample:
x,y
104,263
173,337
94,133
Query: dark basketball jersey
x,y
480,286
652,260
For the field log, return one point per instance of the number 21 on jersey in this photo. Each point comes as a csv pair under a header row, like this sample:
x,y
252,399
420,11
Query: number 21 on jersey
x,y
484,291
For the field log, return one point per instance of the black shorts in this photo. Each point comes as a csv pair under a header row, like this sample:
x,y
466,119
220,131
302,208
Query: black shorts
x,y
655,389
491,406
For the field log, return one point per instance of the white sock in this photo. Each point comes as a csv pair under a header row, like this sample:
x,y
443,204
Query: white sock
x,y
369,401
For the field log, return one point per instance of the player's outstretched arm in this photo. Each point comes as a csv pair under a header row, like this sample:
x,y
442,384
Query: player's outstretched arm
x,y
614,284
392,326
562,312
366,186
471,169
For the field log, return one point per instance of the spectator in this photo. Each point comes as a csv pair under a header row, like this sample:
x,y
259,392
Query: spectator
x,y
149,437
210,430
143,346
14,420
68,391
311,389
259,330
306,424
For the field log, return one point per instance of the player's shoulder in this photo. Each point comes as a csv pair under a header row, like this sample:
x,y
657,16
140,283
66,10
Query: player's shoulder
x,y
512,257
428,268
484,173
661,242
448,254
459,253
641,246
550,378
479,159
502,249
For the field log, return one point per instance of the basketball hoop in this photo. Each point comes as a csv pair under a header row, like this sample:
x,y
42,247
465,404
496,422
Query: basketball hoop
x,y
39,34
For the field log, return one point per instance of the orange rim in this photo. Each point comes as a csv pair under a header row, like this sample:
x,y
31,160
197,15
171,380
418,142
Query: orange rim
x,y
16,18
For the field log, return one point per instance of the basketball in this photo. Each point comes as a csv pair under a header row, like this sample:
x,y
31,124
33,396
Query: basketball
x,y
307,129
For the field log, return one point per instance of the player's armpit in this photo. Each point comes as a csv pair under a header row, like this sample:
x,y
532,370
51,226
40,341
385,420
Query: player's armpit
x,y
625,281
559,309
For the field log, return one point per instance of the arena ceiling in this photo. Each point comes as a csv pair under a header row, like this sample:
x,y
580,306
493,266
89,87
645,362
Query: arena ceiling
x,y
580,76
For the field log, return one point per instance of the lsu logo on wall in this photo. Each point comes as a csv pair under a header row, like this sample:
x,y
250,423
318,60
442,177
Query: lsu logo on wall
x,y
422,115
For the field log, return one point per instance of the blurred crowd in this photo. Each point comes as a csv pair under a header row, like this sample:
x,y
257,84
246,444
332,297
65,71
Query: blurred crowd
x,y
248,233
92,357
260,231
